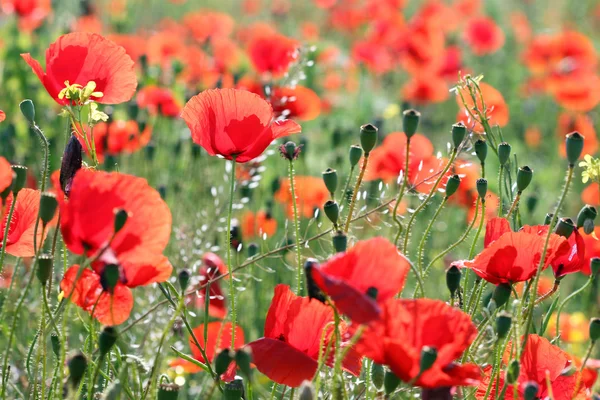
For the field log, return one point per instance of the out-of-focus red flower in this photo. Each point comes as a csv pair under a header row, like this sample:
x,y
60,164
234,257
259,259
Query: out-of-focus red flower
x,y
576,91
159,100
533,136
310,191
591,194
257,224
376,57
6,174
164,47
6,277
234,123
574,328
290,348
540,362
88,23
22,225
251,7
362,278
31,13
497,110
134,45
514,256
299,103
80,58
568,122
406,326
206,24
325,4
572,261
451,64
425,89
483,36
520,26
212,267
272,53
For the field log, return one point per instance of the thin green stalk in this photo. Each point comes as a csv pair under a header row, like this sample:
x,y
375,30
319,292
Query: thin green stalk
x,y
514,205
588,353
228,244
5,237
344,196
296,230
500,175
361,176
401,193
565,301
426,234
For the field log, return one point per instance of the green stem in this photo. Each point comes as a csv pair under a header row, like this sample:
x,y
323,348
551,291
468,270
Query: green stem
x,y
228,244
426,234
565,301
361,176
296,230
401,193
344,193
500,174
514,205
5,237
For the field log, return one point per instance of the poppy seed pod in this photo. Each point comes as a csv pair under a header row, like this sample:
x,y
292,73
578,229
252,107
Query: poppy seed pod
x,y
482,185
107,339
184,279
501,294
55,342
513,371
481,150
290,151
524,177
503,323
390,382
453,277
595,265
356,152
594,329
410,122
459,131
428,357
368,137
71,163
340,242
109,277
452,185
586,213
332,210
314,292
531,391
222,361
503,152
77,366
120,219
548,218
307,391
574,147
20,178
28,110
243,359
48,205
168,391
44,268
377,375
330,178
565,227
233,390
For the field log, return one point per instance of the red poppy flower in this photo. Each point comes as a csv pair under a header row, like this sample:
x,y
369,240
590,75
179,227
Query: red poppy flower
x,y
272,53
212,267
81,58
425,89
207,25
573,260
135,46
2,116
375,56
289,351
311,194
258,224
164,47
299,103
540,362
6,174
234,123
592,248
115,137
514,256
22,225
31,13
362,278
158,101
406,326
483,35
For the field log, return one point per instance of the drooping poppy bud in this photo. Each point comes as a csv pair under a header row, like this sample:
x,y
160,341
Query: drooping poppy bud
x,y
482,185
410,122
531,390
501,294
48,205
428,357
594,329
368,137
503,323
459,131
184,279
168,391
340,242
19,179
332,210
28,110
71,163
44,268
307,391
377,375
243,359
452,185
355,154
453,276
481,150
234,390
574,147
313,290
390,382
565,227
109,277
107,339
330,178
524,177
77,366
503,152
586,213
222,361
595,265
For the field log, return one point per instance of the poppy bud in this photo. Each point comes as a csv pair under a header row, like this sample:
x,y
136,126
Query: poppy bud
x,y
481,150
168,391
587,212
377,375
233,390
314,292
513,371
531,203
524,176
107,339
120,219
71,163
428,357
501,294
252,250
595,265
109,277
453,276
452,185
8,189
482,186
356,152
410,122
565,227
459,131
77,366
44,268
332,210
390,382
548,218
574,147
243,359
372,292
595,329
290,151
28,110
20,178
162,191
307,391
503,152
222,361
531,390
55,342
503,322
330,178
340,242
48,205
184,279
368,137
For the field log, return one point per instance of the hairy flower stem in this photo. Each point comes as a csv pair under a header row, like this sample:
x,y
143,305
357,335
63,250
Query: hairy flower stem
x,y
514,205
421,248
500,176
540,267
473,245
228,244
6,229
296,230
359,180
548,294
565,301
588,353
337,356
401,193
345,192
434,188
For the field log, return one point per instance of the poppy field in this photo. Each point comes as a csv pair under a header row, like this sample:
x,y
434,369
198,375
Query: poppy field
x,y
281,199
